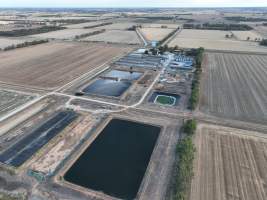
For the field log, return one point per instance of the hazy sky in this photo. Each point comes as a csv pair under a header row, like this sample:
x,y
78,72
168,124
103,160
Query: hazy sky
x,y
130,3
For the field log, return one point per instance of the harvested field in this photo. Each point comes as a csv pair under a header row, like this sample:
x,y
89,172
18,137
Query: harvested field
x,y
10,100
64,34
156,34
225,45
230,164
214,40
235,86
54,64
115,36
203,34
243,35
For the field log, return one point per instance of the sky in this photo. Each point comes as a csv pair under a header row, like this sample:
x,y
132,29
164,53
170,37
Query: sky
x,y
133,3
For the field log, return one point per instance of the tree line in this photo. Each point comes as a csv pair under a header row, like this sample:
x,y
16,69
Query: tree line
x,y
89,34
24,32
98,25
263,42
185,152
245,19
194,98
218,26
24,44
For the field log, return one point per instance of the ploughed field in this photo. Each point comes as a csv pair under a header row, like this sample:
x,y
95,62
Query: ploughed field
x,y
230,164
54,64
216,40
235,86
115,36
64,34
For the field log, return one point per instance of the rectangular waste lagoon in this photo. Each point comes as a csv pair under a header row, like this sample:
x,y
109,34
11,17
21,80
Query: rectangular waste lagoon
x,y
164,98
105,87
128,75
20,152
116,161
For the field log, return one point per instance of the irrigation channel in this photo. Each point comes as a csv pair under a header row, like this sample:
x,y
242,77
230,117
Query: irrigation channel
x,y
116,161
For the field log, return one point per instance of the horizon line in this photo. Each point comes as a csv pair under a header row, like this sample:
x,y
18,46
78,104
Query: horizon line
x,y
135,7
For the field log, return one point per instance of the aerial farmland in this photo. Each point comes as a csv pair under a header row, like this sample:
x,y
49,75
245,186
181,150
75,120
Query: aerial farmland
x,y
64,34
227,159
6,42
155,34
115,36
36,63
136,104
216,40
234,86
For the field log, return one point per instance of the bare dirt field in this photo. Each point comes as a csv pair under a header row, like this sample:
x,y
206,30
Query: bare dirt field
x,y
203,34
230,164
10,100
64,34
213,40
54,64
225,45
115,36
156,34
235,86
243,35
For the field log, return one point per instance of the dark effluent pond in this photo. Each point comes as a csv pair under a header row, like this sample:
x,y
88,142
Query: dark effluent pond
x,y
107,87
123,75
116,161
